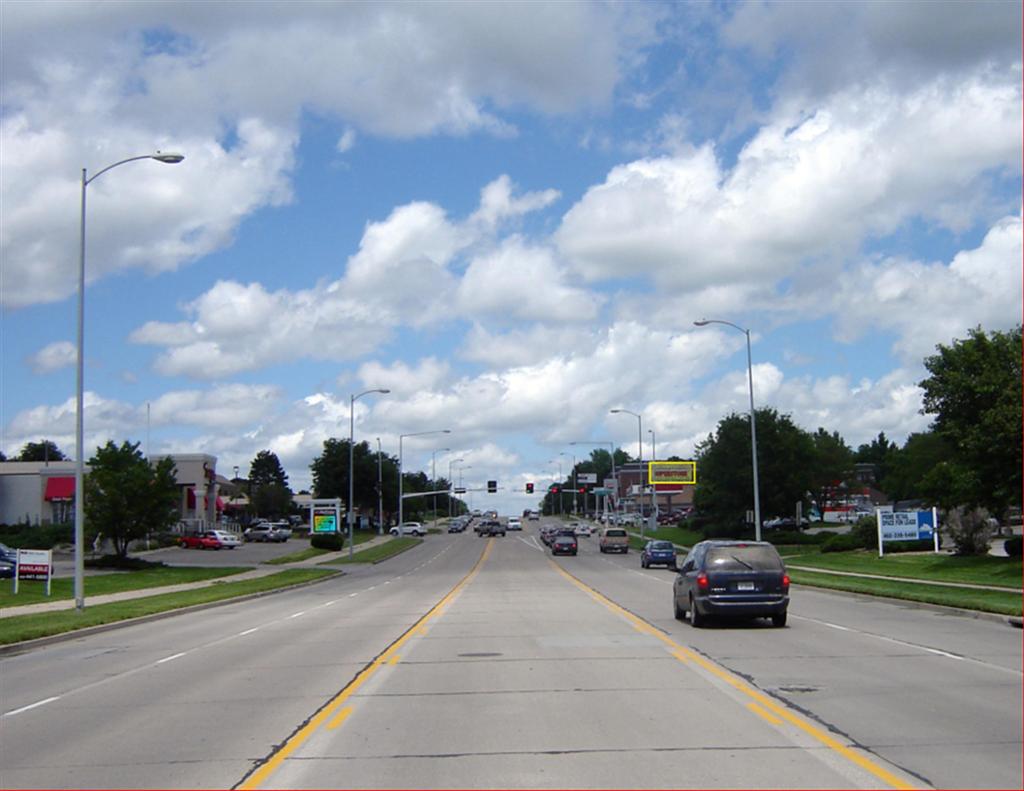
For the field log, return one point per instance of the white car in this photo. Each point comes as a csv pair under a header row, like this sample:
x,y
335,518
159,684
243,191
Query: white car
x,y
583,529
227,540
409,529
515,524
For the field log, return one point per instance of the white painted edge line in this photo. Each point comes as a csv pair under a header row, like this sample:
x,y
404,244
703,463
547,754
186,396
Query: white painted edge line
x,y
296,615
35,705
169,658
248,631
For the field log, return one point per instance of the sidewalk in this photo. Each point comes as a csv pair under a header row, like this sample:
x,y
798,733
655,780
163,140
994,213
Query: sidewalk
x,y
262,571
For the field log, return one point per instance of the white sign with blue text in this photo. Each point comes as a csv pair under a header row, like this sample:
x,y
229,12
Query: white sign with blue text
x,y
906,526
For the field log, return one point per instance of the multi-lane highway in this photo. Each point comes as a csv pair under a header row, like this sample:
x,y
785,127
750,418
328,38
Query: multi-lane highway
x,y
479,663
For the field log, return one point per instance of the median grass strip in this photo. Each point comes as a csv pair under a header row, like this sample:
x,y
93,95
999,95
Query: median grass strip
x,y
1005,603
378,552
982,570
29,627
34,591
295,557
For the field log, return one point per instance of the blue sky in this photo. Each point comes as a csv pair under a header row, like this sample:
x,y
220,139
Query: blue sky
x,y
509,214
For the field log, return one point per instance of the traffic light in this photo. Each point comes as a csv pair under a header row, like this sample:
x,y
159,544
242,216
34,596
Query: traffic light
x,y
553,489
582,490
529,488
492,486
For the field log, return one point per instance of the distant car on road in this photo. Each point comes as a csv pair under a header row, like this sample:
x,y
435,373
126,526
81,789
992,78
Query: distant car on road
x,y
658,553
614,539
514,523
583,529
409,529
207,540
490,527
743,579
564,545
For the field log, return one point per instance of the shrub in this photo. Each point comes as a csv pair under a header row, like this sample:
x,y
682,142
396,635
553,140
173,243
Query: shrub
x,y
970,530
843,542
793,537
123,563
866,532
26,536
333,542
1013,546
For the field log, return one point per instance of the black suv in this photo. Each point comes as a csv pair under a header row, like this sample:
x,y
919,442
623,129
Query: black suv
x,y
745,579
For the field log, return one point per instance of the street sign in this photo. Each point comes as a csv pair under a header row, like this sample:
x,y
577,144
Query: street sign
x,y
586,477
601,491
459,490
906,526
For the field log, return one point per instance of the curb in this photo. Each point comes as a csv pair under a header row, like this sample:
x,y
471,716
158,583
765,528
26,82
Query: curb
x,y
13,649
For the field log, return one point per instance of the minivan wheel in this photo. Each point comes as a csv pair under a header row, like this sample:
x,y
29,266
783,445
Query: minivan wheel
x,y
779,619
696,619
679,612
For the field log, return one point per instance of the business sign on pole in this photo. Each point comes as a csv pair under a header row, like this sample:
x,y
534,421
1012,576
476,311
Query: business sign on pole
x,y
34,564
671,476
906,526
586,477
325,521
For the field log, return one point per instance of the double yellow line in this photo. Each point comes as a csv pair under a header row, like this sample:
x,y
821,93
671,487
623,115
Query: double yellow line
x,y
334,712
763,705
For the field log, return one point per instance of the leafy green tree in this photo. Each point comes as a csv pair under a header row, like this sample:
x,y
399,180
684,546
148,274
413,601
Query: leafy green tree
x,y
127,498
974,391
330,476
879,452
909,467
41,451
266,469
269,495
786,458
833,462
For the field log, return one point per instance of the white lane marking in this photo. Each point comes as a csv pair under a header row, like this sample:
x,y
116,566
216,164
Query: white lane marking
x,y
169,658
329,603
371,587
296,615
35,705
650,577
353,595
387,582
248,631
531,543
906,644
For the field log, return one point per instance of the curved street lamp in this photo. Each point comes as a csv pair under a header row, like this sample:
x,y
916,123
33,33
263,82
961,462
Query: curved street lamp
x,y
168,158
753,428
400,482
351,471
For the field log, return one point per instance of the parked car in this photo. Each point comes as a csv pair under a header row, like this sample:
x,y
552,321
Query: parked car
x,y
227,539
564,544
409,529
8,561
745,579
264,531
207,540
658,553
614,539
785,523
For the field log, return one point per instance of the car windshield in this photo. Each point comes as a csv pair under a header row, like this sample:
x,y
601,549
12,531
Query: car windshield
x,y
744,558
615,533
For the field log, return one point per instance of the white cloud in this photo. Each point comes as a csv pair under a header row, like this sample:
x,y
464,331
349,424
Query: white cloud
x,y
347,141
54,356
806,187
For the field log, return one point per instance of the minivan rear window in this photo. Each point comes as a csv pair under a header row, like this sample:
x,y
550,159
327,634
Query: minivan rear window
x,y
743,558
615,533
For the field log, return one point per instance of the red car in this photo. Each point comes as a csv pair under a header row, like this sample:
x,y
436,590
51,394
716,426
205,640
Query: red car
x,y
201,541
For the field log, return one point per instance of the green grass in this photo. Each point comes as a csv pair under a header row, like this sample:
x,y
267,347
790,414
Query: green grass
x,y
304,554
1007,603
677,535
983,570
378,552
34,591
28,627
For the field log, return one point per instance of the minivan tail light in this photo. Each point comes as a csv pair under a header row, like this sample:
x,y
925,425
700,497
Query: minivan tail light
x,y
702,581
785,581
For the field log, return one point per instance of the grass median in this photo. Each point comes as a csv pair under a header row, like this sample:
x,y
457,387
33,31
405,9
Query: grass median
x,y
29,627
379,551
981,570
34,591
1002,602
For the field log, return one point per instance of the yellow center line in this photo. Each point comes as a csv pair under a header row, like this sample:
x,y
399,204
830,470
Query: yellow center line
x,y
683,654
342,716
258,777
764,714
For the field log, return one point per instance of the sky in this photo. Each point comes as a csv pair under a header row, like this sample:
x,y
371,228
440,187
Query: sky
x,y
510,215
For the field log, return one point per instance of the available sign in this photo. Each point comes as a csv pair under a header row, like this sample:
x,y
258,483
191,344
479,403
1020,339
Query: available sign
x,y
34,564
906,526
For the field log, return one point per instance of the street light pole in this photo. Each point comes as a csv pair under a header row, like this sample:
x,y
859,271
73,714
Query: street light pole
x,y
433,476
380,493
450,484
351,470
167,159
654,446
400,474
640,448
753,427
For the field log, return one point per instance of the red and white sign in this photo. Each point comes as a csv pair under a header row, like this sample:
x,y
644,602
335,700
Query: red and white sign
x,y
34,564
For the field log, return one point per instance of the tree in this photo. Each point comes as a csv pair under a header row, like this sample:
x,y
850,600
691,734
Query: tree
x,y
330,475
41,451
974,391
266,469
879,453
127,498
833,461
911,470
269,494
786,459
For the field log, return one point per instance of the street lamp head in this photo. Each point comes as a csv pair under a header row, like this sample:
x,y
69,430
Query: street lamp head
x,y
702,323
614,411
383,390
168,158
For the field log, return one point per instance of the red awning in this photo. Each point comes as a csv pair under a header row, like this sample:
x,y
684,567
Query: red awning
x,y
60,489
220,504
191,498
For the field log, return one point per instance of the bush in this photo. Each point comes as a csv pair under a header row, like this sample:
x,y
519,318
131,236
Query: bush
x,y
866,532
26,536
1013,546
970,530
793,537
122,563
333,542
843,542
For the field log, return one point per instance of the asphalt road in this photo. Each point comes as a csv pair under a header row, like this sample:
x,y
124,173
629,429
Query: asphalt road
x,y
474,663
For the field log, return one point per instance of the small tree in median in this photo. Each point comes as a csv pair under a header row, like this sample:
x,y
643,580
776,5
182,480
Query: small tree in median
x,y
969,528
127,498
